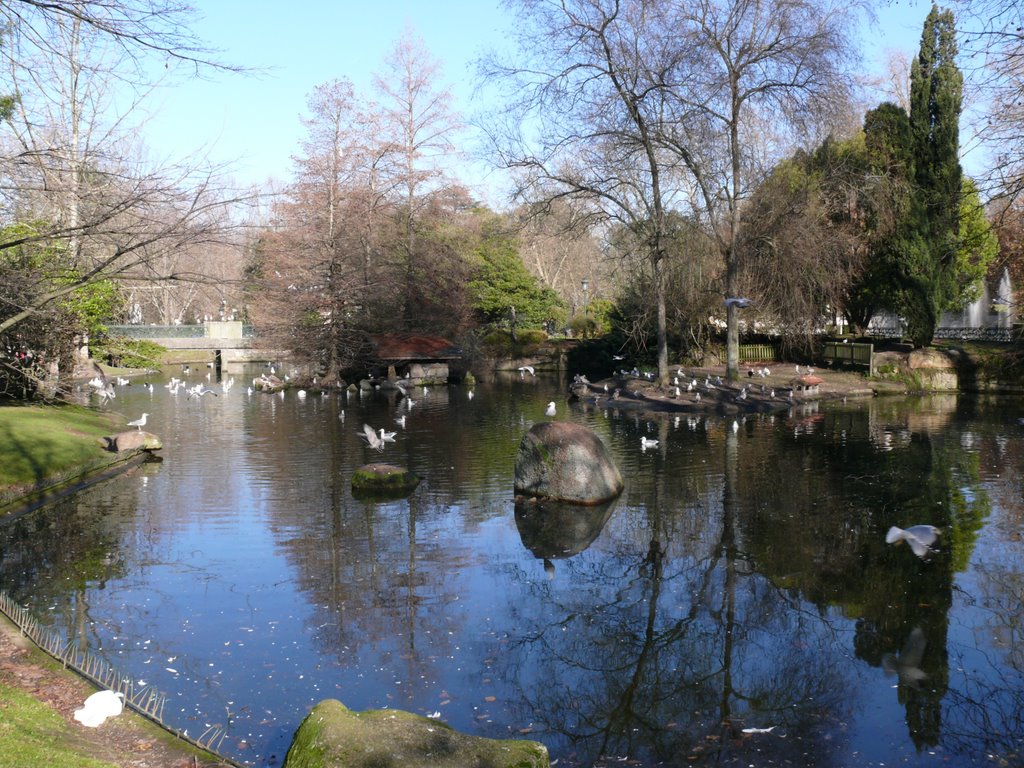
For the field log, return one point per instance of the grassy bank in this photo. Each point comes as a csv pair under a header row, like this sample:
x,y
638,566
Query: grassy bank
x,y
45,446
31,733
45,449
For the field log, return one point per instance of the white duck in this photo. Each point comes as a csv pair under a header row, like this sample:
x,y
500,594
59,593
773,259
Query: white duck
x,y
99,707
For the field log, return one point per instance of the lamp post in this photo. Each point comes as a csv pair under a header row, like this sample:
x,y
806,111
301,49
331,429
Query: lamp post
x,y
586,287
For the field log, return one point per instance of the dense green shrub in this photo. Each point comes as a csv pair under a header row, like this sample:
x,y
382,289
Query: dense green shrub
x,y
128,353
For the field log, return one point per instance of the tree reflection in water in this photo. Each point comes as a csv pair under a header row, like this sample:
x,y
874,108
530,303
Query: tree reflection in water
x,y
742,582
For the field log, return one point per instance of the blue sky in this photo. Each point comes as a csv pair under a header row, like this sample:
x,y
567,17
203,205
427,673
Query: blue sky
x,y
254,121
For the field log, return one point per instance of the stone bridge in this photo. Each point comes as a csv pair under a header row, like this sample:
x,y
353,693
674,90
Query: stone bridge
x,y
225,342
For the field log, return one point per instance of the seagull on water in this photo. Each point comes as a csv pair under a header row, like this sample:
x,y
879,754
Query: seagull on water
x,y
646,443
139,423
550,409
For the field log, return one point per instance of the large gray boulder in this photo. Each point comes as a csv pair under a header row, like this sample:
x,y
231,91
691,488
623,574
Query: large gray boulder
x,y
333,736
566,462
133,440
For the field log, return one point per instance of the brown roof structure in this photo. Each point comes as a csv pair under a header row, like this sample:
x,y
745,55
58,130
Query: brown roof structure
x,y
399,347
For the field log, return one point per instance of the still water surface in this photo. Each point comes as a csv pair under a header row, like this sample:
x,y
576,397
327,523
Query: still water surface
x,y
742,581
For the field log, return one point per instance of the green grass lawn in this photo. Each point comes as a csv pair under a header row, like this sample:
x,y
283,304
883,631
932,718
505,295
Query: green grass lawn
x,y
33,734
44,444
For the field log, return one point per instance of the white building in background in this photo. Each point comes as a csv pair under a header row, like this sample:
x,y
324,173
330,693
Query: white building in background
x,y
991,316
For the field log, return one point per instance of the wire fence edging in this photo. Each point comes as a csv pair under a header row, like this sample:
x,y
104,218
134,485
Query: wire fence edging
x,y
147,701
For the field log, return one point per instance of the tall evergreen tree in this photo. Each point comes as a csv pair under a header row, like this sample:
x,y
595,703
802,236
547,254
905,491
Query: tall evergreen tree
x,y
936,95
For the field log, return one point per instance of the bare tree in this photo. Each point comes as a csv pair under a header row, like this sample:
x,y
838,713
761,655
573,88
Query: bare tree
x,y
782,62
803,238
353,247
139,28
583,120
70,166
311,266
991,37
563,257
420,125
642,107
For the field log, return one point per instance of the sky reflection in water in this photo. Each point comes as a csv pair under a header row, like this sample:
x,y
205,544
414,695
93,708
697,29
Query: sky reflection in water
x,y
742,582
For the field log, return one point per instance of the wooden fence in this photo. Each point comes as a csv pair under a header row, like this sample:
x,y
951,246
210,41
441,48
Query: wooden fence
x,y
855,354
754,353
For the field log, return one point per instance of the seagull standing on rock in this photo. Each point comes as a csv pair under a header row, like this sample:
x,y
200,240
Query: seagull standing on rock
x,y
139,423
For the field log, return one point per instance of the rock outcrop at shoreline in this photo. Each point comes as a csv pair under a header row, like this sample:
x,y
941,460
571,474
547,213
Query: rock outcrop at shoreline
x,y
132,440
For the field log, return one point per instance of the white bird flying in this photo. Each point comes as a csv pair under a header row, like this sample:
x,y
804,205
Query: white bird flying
x,y
103,387
526,369
199,390
372,438
919,537
387,437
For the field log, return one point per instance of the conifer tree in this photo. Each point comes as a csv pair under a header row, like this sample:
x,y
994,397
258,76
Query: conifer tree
x,y
936,93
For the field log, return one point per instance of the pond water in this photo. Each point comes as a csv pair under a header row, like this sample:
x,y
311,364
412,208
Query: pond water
x,y
738,604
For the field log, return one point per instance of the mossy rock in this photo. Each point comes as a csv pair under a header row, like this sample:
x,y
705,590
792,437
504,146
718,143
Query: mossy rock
x,y
386,480
564,461
333,736
132,440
